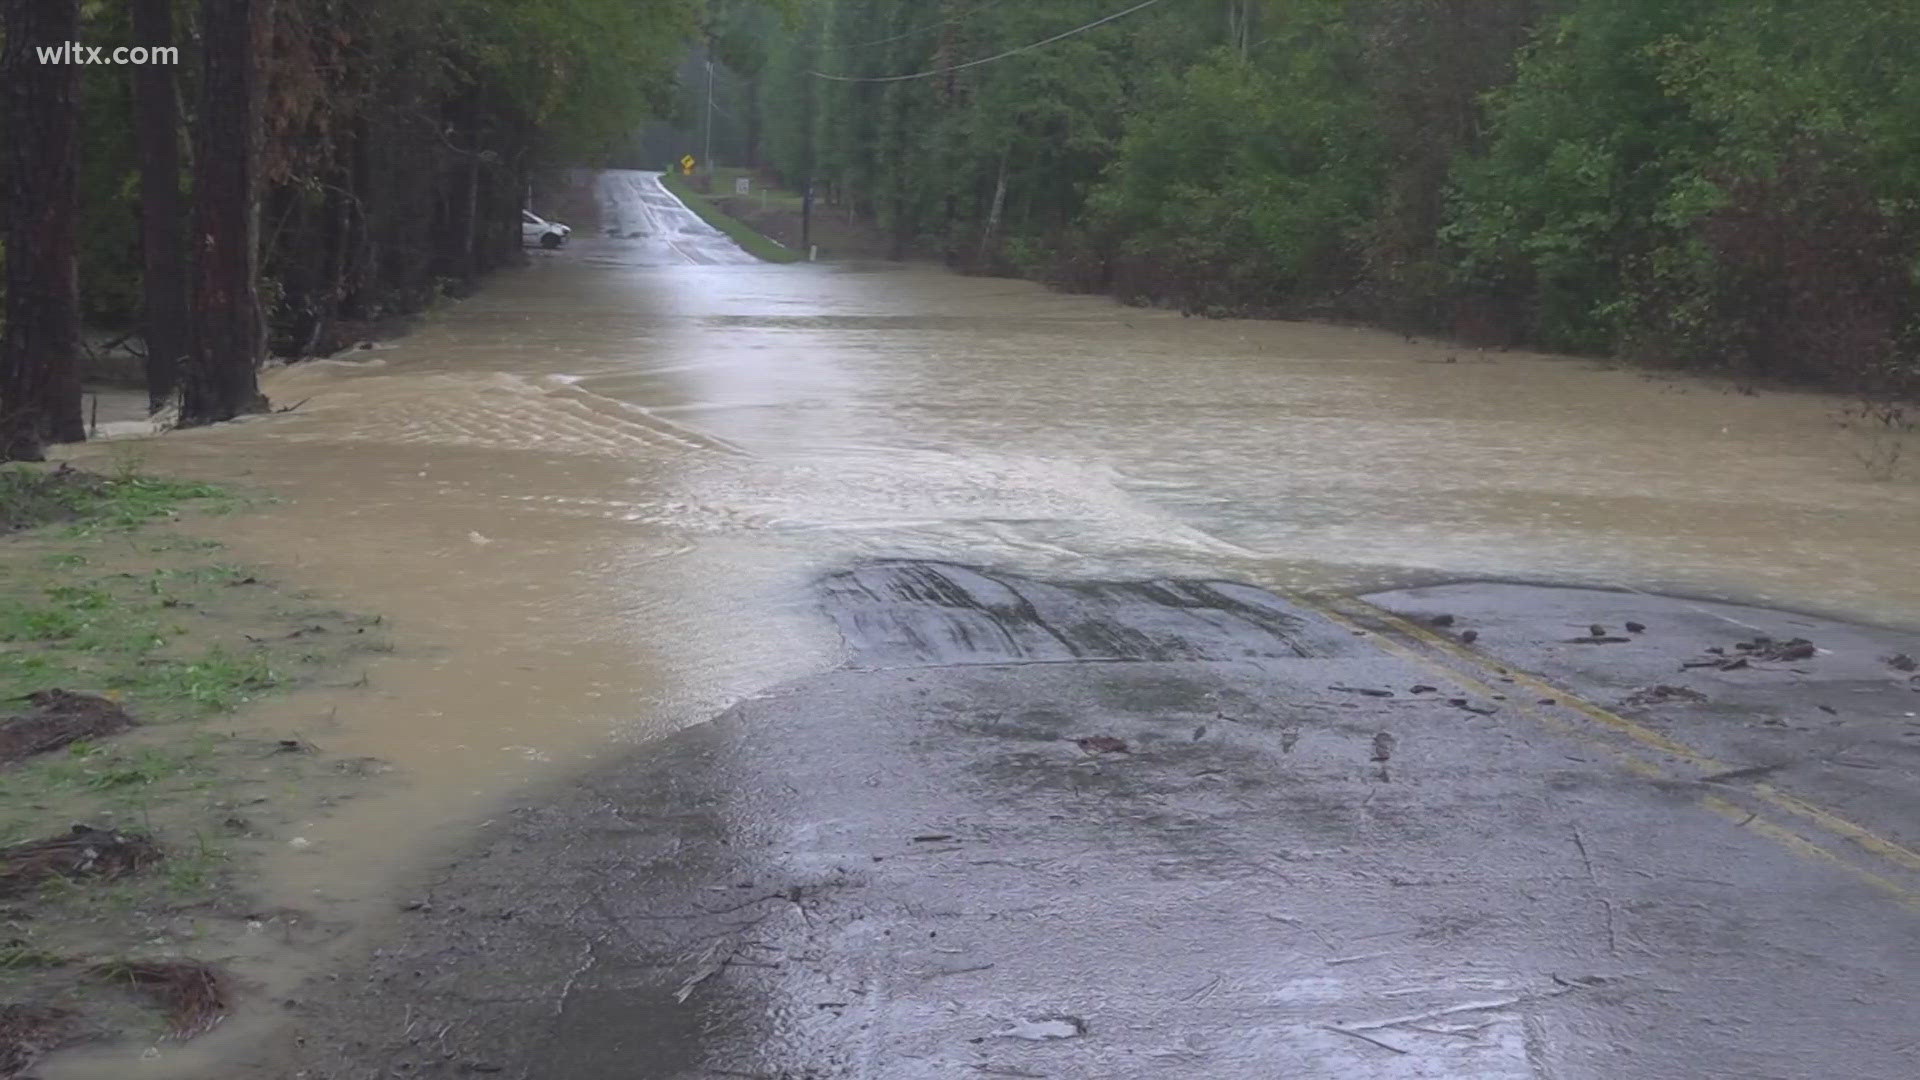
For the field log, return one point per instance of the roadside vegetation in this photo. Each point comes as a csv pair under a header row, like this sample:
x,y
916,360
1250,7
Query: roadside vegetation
x,y
755,242
130,813
1733,188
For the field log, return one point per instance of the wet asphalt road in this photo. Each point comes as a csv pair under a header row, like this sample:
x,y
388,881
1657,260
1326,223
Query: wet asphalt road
x,y
1193,829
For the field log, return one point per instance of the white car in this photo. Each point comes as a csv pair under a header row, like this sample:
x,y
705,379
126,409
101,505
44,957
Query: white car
x,y
535,229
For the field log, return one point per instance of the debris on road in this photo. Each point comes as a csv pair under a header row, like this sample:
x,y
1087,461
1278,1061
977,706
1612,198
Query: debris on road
x,y
1103,744
1797,649
1760,648
1043,1029
1366,691
1661,693
1364,1037
1383,747
1901,662
1469,636
1441,620
1636,628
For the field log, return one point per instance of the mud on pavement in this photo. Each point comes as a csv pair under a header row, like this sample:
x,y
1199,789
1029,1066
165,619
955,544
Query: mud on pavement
x,y
1181,829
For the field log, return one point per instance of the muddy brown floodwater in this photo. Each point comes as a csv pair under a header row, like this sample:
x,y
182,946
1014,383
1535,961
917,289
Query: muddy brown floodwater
x,y
591,499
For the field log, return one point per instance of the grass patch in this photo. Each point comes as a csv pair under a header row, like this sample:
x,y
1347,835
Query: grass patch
x,y
151,640
21,955
760,246
92,503
90,603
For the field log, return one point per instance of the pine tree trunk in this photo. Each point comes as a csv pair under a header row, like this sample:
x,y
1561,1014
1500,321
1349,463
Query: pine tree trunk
x,y
163,238
220,379
39,210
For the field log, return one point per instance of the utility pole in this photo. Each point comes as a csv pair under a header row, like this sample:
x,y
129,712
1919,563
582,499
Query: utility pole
x,y
707,154
807,170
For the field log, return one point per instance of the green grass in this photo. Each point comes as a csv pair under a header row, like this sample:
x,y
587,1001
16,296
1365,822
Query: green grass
x,y
91,504
175,634
19,955
215,682
759,246
116,632
87,767
120,634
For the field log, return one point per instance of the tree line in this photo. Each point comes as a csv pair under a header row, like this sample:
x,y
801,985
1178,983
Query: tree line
x,y
309,164
1734,186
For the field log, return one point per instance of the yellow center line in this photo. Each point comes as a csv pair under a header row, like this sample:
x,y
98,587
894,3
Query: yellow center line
x,y
1639,732
1868,840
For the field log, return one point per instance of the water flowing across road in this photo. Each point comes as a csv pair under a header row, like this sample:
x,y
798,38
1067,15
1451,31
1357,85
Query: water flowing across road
x,y
594,498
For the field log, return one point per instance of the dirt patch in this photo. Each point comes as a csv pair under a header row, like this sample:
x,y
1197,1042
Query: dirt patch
x,y
85,852
193,996
26,1032
58,718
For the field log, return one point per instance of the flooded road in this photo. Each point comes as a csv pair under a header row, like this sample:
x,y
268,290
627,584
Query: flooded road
x,y
593,499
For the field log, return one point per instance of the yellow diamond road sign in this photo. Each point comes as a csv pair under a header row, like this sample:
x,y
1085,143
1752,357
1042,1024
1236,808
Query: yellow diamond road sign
x,y
686,163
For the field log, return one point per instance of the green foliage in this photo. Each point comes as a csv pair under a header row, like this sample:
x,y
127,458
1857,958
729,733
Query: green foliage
x,y
582,73
1575,170
1678,178
1734,186
925,157
1255,182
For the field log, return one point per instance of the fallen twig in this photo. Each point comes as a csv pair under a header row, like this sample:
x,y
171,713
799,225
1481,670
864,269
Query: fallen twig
x,y
1451,1010
1364,1037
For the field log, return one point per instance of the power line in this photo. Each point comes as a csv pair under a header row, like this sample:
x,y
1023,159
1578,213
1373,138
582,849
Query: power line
x,y
924,27
986,59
